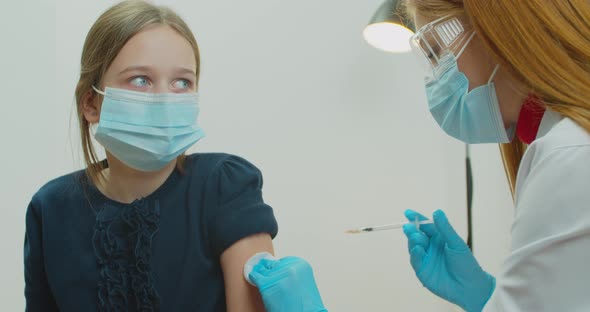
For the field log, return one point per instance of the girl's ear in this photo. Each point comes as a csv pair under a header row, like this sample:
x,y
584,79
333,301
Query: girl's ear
x,y
91,107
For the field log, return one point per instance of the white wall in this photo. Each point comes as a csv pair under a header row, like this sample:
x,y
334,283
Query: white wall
x,y
341,132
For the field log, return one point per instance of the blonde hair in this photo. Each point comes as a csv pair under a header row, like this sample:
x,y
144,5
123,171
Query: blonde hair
x,y
104,41
543,44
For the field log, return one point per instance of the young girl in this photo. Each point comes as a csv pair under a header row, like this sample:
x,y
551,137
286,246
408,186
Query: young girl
x,y
147,229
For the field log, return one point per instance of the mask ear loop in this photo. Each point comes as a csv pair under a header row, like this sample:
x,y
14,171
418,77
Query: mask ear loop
x,y
94,126
465,45
98,91
494,73
463,50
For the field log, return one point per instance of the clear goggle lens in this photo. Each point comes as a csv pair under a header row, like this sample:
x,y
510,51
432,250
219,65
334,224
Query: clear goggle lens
x,y
433,43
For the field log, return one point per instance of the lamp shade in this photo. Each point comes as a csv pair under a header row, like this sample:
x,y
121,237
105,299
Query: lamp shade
x,y
386,30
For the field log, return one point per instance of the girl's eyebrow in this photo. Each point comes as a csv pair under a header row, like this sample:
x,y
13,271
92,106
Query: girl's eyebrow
x,y
182,70
135,68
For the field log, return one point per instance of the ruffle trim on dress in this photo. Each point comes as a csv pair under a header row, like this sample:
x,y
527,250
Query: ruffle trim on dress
x,y
123,247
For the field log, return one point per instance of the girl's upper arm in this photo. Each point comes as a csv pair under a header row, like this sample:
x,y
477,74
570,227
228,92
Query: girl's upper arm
x,y
241,296
239,224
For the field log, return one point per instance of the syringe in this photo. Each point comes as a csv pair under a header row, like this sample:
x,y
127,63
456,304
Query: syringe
x,y
386,227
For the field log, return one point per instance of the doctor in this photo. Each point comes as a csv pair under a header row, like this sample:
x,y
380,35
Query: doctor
x,y
510,72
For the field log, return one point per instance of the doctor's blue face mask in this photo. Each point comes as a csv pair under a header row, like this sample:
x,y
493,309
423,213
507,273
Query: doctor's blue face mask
x,y
146,131
470,116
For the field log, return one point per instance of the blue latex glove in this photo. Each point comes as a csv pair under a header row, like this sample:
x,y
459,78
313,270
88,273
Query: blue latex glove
x,y
445,265
287,285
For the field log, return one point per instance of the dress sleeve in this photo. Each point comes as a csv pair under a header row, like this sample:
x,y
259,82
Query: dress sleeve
x,y
547,269
37,293
238,210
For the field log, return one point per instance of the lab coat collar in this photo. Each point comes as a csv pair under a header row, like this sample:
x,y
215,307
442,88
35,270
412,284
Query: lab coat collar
x,y
550,119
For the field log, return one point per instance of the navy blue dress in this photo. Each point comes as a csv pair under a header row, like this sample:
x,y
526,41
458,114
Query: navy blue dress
x,y
86,252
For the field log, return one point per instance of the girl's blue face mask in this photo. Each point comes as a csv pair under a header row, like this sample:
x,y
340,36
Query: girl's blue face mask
x,y
146,131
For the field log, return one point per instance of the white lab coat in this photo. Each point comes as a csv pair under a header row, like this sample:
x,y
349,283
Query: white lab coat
x,y
548,268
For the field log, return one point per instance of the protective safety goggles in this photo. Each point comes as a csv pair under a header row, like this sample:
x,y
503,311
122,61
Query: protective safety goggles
x,y
438,42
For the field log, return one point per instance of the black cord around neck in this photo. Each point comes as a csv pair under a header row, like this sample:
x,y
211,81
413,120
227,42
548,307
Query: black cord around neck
x,y
469,180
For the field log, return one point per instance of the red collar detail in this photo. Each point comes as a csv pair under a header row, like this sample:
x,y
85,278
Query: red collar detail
x,y
529,120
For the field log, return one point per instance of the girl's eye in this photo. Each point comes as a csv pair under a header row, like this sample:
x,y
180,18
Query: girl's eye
x,y
181,84
140,81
